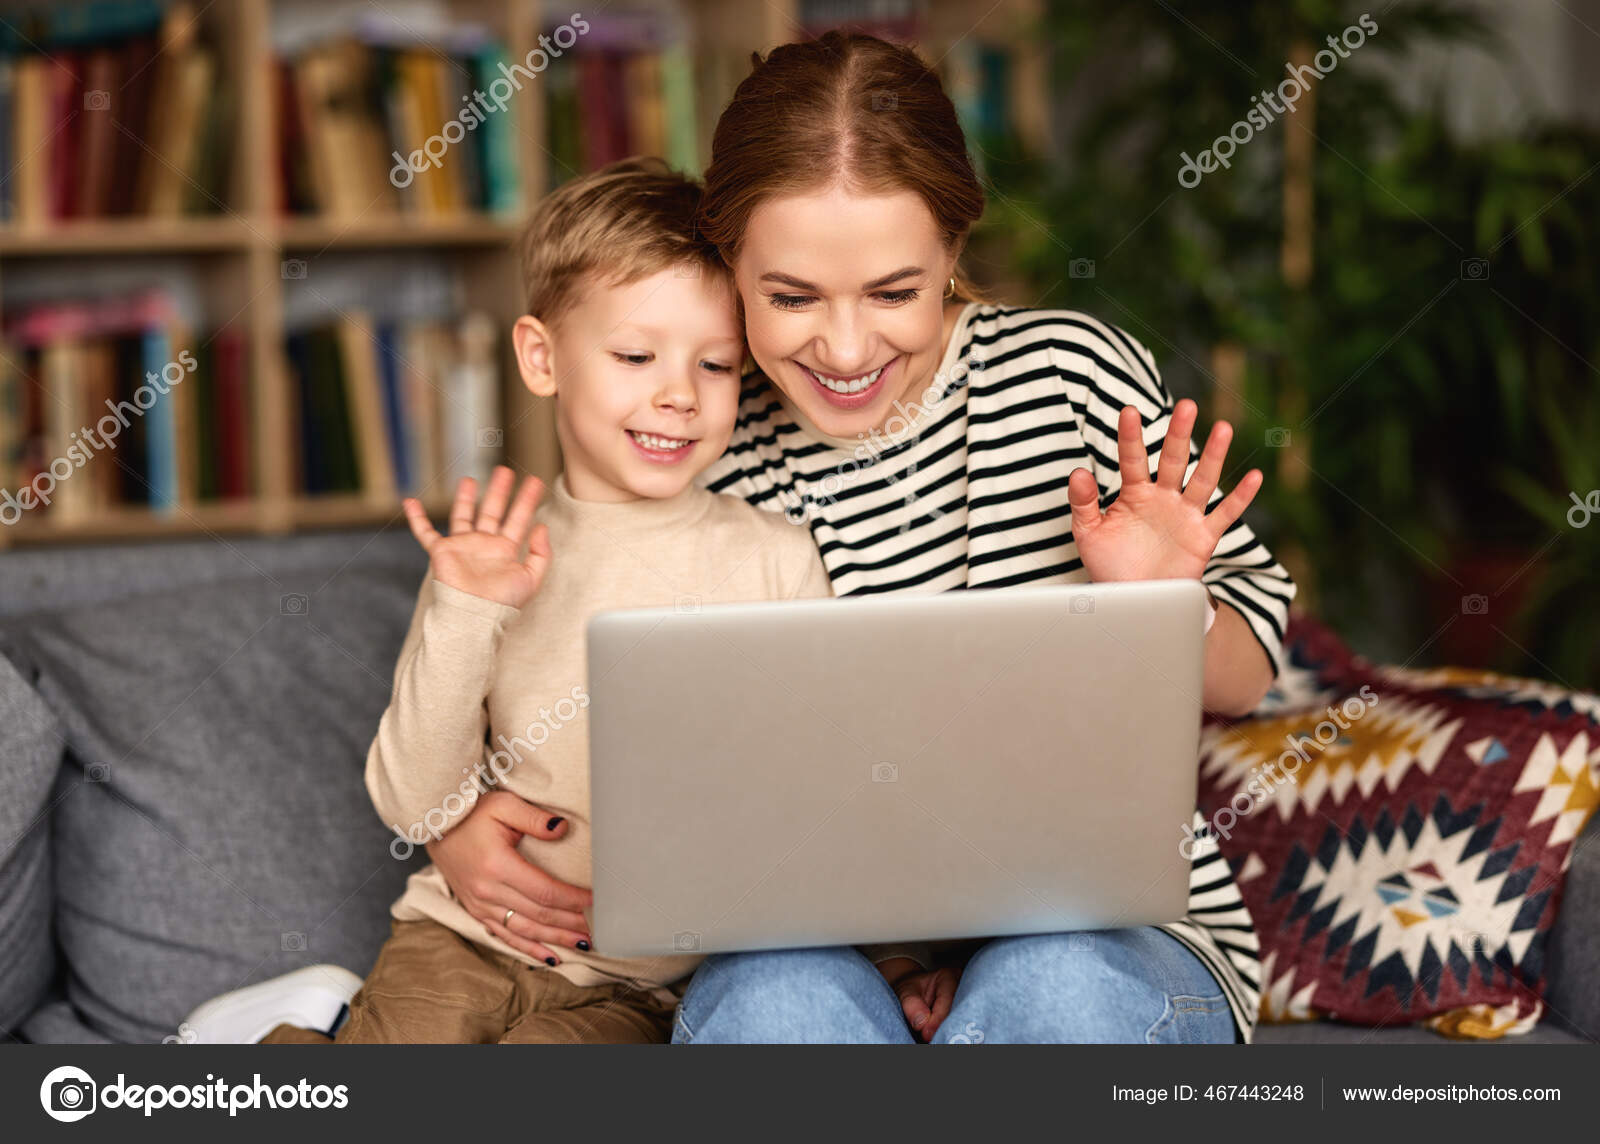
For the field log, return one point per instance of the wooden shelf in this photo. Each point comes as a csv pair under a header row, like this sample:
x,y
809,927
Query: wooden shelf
x,y
318,234
234,517
132,522
346,510
198,235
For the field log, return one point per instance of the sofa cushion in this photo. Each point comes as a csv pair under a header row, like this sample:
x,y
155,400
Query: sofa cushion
x,y
1401,837
213,828
30,757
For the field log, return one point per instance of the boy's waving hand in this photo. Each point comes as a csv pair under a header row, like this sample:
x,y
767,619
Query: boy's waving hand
x,y
484,558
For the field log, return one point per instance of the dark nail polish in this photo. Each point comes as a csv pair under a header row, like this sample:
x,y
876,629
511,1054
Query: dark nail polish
x,y
549,961
583,945
553,823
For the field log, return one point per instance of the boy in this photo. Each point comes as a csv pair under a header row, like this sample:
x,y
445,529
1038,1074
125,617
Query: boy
x,y
631,326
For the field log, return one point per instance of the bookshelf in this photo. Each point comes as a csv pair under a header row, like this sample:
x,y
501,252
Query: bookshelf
x,y
237,255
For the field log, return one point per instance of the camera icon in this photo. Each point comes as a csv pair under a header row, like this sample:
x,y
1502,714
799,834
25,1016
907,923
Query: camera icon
x,y
293,268
294,604
1474,270
97,773
885,772
68,1094
96,100
686,270
1278,437
292,942
975,363
1476,604
491,438
687,605
885,101
1080,605
1477,944
1080,268
1080,942
686,942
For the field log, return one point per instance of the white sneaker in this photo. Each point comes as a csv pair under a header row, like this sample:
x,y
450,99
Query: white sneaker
x,y
316,997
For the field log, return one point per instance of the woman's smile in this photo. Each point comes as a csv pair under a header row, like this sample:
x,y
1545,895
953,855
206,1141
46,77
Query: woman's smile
x,y
850,392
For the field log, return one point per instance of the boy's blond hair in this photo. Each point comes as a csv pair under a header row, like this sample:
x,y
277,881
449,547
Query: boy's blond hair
x,y
624,222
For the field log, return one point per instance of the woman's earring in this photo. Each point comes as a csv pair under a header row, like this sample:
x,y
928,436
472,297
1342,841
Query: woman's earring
x,y
951,292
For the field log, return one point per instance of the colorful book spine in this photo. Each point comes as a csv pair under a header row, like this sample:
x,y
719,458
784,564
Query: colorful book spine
x,y
160,420
402,441
502,174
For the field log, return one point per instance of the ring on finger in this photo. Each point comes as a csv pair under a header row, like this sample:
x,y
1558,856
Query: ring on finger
x,y
507,922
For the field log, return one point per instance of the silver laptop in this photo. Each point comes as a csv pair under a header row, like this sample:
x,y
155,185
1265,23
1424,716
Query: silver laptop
x,y
875,768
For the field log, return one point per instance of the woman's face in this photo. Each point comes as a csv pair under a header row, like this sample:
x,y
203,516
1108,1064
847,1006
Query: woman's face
x,y
843,300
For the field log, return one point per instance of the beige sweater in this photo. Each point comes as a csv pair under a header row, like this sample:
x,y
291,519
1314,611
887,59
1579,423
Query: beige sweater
x,y
470,665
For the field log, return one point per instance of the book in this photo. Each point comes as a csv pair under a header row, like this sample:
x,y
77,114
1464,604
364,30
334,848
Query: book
x,y
646,112
160,422
60,365
502,173
402,440
31,205
13,417
8,95
233,417
464,159
677,94
161,146
99,132
475,435
365,402
423,371
65,72
99,387
176,167
136,61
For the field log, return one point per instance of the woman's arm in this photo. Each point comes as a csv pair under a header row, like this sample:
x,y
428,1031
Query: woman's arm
x,y
1167,517
1237,670
1168,525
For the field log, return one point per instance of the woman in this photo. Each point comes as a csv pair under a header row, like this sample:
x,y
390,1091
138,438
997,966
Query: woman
x,y
933,443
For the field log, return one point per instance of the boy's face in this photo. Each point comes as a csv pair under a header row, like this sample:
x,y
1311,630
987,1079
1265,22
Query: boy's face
x,y
647,383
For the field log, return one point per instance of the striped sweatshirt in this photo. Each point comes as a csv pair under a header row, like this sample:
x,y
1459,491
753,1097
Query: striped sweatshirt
x,y
965,486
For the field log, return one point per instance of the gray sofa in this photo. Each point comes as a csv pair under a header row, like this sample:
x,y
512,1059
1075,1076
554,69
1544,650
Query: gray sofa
x,y
183,727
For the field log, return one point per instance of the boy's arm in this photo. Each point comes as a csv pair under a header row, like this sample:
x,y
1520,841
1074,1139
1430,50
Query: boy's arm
x,y
430,739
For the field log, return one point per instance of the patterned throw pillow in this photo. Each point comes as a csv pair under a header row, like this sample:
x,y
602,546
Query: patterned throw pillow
x,y
1401,837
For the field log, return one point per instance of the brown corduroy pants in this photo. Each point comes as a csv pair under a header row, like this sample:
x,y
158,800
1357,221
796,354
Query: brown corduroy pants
x,y
432,986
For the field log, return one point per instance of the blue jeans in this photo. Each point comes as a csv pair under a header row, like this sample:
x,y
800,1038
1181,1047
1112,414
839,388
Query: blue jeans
x,y
1116,986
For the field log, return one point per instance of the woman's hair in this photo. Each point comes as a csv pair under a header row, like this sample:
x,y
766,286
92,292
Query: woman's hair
x,y
846,107
624,222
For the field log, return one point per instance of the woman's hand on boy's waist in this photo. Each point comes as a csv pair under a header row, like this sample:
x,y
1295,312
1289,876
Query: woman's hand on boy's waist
x,y
515,900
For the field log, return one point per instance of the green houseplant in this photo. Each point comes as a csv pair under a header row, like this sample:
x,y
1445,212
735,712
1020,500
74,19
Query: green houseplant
x,y
1434,377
